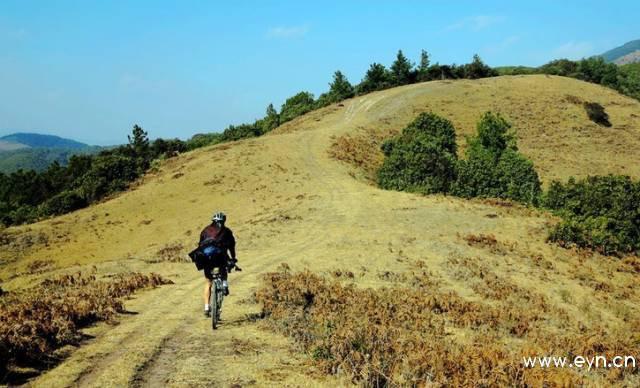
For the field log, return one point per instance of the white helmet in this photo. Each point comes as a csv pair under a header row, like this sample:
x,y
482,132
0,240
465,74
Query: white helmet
x,y
219,217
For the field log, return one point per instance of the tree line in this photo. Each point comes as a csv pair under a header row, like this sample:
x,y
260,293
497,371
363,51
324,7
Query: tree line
x,y
624,79
26,196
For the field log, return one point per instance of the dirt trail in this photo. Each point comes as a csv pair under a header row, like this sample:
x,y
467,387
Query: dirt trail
x,y
287,201
168,342
168,337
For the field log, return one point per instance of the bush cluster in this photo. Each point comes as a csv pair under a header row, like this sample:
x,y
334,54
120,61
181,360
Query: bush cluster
x,y
493,166
423,158
599,212
36,322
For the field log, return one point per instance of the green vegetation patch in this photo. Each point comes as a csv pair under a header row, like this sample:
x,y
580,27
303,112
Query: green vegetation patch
x,y
599,212
423,158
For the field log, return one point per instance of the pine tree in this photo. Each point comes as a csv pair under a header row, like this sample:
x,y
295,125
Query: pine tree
x,y
401,70
477,69
271,119
340,88
138,142
423,68
376,78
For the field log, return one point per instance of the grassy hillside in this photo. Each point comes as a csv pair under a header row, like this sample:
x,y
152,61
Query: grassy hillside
x,y
290,201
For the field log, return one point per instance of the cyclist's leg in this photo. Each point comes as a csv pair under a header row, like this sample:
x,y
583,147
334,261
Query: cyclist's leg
x,y
207,286
223,276
207,292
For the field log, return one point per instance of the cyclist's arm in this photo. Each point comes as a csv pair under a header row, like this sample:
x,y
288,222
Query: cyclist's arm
x,y
232,245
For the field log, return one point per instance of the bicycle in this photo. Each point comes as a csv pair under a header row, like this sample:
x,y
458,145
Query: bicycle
x,y
217,295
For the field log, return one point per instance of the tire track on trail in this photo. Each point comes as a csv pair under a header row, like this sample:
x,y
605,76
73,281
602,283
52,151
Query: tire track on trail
x,y
155,372
157,369
160,367
134,328
146,350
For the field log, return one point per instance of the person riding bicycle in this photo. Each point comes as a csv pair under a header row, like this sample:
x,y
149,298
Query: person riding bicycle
x,y
219,245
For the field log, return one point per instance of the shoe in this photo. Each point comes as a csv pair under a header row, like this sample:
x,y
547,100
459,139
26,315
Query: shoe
x,y
207,313
226,291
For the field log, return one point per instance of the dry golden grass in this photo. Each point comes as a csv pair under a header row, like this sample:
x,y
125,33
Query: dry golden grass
x,y
289,201
36,322
402,336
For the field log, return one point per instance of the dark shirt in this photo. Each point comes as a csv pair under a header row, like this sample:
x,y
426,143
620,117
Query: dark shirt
x,y
220,237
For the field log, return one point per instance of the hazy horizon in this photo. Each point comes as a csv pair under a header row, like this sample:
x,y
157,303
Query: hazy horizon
x,y
88,71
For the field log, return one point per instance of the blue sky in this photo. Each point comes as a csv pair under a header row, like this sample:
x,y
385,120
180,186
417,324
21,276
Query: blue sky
x,y
89,70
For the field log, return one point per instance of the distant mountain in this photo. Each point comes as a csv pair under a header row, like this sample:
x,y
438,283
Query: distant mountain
x,y
627,53
36,140
33,151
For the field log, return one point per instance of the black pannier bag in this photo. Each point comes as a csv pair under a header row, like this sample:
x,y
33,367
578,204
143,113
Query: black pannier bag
x,y
199,258
208,253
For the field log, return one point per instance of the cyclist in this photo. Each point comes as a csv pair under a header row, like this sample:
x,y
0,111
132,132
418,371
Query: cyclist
x,y
219,245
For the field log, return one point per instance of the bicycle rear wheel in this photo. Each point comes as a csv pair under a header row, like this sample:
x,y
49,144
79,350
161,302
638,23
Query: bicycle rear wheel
x,y
214,306
219,304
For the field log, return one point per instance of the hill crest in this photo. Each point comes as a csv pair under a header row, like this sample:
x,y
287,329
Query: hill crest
x,y
618,53
37,140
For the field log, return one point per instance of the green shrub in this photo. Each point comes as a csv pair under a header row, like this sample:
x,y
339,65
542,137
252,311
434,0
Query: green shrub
x,y
599,212
202,140
476,176
494,167
237,132
23,214
422,158
62,203
108,174
517,178
597,114
493,135
296,106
